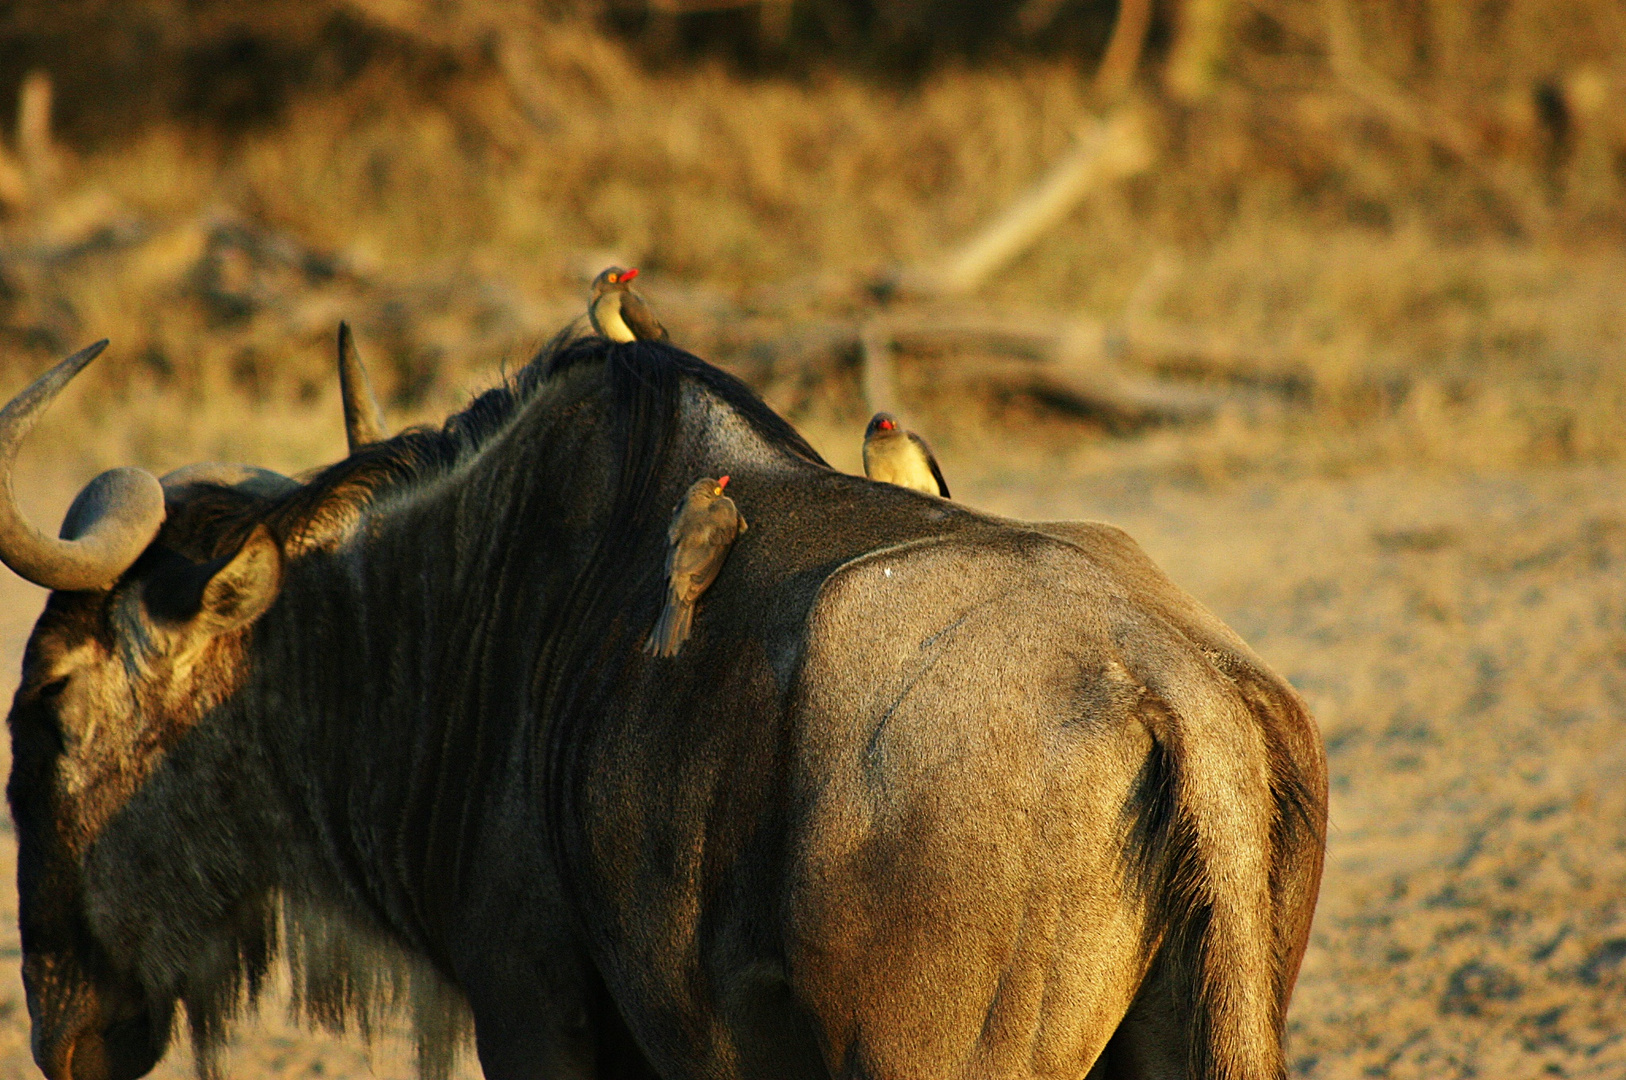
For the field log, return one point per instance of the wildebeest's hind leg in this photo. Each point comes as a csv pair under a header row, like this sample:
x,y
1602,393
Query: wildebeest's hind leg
x,y
526,1043
1150,1043
616,1055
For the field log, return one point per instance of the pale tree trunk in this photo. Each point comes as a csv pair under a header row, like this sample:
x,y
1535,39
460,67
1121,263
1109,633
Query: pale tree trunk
x,y
1195,63
34,135
1122,57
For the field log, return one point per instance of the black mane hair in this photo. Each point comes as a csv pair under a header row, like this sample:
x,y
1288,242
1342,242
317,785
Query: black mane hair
x,y
643,380
640,369
643,386
612,600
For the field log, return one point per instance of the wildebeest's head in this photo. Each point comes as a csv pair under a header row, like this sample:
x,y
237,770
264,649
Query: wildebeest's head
x,y
136,642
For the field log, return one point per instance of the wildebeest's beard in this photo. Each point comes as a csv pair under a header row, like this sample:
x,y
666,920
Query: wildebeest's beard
x,y
183,763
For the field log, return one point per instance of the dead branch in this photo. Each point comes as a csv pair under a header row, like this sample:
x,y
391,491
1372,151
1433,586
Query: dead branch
x,y
1062,358
1034,17
877,367
1122,57
687,7
1106,149
34,146
1120,399
1199,48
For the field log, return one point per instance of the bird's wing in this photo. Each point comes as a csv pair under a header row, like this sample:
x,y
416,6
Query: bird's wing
x,y
696,560
931,460
674,528
592,316
726,510
674,534
640,319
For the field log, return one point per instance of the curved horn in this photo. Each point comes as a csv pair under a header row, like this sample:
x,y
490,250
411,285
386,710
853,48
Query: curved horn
x,y
108,526
363,422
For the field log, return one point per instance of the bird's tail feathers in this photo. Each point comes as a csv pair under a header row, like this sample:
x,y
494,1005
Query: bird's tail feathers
x,y
671,629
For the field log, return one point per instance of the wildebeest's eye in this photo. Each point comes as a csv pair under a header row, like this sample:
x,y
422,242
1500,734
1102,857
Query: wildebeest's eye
x,y
52,690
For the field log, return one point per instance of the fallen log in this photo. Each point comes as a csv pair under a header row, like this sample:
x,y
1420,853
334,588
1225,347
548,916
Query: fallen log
x,y
1108,148
1064,360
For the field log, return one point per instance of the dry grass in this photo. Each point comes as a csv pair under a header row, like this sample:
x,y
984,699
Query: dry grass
x,y
1374,304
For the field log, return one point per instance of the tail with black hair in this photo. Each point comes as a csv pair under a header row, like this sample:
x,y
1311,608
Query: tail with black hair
x,y
1225,845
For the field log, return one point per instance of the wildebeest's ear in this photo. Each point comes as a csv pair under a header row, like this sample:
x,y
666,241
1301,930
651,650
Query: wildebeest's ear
x,y
240,591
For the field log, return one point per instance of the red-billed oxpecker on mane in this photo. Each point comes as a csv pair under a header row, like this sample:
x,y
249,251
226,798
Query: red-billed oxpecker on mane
x,y
927,793
620,314
894,455
701,533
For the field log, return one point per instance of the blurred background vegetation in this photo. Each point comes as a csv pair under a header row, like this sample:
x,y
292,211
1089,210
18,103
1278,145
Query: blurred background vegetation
x,y
1361,232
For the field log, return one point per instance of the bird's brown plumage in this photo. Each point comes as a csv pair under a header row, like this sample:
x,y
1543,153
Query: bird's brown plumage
x,y
895,455
620,314
703,529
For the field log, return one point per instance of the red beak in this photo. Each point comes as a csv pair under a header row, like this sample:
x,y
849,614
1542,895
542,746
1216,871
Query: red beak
x,y
630,274
722,482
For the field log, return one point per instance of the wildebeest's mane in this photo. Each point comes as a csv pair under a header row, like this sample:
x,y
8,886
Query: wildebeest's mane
x,y
214,520
642,387
643,384
641,381
637,369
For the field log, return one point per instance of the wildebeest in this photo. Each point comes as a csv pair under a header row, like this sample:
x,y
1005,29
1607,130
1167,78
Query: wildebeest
x,y
926,794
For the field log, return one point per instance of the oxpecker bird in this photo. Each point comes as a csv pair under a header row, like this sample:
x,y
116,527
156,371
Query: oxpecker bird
x,y
895,455
702,531
620,314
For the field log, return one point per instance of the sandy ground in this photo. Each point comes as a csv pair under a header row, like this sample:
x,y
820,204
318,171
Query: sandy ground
x,y
1462,640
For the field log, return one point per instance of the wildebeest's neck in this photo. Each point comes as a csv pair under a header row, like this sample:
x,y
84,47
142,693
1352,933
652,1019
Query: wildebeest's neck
x,y
432,664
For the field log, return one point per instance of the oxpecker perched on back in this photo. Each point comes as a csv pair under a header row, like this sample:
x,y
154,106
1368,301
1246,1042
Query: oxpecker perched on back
x,y
701,533
895,455
620,314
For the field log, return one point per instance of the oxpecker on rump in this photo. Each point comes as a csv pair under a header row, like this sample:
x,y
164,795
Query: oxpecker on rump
x,y
895,455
